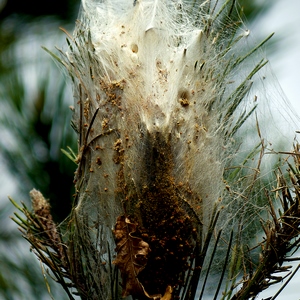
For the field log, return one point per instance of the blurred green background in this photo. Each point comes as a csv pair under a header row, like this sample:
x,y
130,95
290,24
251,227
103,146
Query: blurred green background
x,y
35,96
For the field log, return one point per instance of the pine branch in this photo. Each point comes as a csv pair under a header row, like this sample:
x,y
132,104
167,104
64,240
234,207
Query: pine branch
x,y
39,229
281,234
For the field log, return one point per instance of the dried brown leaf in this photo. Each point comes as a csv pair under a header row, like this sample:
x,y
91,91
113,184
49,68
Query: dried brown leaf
x,y
132,256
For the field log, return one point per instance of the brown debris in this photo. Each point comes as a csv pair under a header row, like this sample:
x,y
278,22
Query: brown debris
x,y
184,102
